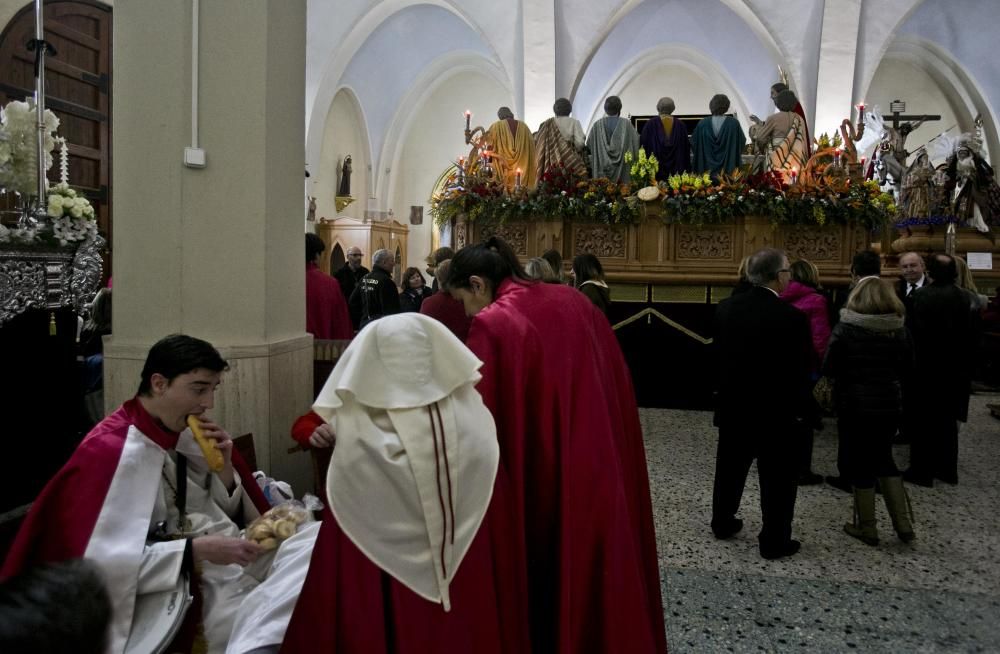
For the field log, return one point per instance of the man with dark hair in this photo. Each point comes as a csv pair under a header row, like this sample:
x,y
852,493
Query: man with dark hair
x,y
376,295
944,342
778,88
140,499
667,139
62,608
763,347
610,139
349,275
327,316
718,140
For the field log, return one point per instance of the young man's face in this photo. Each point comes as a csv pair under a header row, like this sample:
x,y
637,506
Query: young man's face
x,y
191,393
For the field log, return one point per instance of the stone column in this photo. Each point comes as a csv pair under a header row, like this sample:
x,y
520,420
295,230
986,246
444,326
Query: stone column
x,y
539,29
214,252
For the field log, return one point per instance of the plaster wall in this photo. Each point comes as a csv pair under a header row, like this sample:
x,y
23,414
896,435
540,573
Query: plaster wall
x,y
689,89
435,141
345,134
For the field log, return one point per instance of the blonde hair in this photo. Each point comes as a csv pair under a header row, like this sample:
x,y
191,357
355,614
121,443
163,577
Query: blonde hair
x,y
875,296
965,279
805,272
742,270
538,268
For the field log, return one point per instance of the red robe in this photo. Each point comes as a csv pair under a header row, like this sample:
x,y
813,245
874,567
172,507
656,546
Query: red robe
x,y
349,605
570,440
442,306
327,316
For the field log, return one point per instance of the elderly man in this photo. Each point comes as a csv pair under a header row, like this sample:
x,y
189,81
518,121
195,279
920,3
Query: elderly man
x,y
911,267
667,140
763,348
376,295
609,140
513,150
718,140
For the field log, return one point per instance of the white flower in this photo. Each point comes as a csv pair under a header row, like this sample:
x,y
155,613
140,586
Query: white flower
x,y
76,212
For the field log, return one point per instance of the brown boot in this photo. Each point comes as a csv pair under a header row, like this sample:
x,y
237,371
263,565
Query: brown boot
x,y
897,501
864,527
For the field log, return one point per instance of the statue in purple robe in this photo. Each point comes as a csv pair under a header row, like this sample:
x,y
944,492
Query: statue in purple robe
x,y
667,138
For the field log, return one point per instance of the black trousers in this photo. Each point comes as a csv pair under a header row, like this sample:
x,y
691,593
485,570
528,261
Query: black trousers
x,y
773,447
866,441
934,447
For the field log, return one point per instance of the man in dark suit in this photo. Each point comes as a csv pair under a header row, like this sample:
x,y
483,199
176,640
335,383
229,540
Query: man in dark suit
x,y
944,342
348,277
376,295
913,277
763,347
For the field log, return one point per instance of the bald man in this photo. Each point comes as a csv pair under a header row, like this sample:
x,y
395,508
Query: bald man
x,y
349,276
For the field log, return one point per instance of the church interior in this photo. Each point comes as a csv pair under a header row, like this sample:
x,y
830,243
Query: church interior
x,y
188,125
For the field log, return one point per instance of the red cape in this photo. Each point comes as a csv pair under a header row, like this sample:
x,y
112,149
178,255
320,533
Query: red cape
x,y
570,440
443,307
349,605
60,523
327,316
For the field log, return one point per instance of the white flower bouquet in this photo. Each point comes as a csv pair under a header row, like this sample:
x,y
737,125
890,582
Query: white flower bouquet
x,y
19,147
72,215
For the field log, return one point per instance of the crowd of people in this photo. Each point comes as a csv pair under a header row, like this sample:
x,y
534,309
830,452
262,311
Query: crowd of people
x,y
877,351
488,488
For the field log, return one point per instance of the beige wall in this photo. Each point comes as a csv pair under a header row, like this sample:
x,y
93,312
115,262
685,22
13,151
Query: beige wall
x,y
344,135
214,252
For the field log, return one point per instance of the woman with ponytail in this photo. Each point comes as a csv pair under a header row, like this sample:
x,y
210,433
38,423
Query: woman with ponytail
x,y
556,383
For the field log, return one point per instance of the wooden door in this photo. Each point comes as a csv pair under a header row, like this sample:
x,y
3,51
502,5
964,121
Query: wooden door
x,y
77,90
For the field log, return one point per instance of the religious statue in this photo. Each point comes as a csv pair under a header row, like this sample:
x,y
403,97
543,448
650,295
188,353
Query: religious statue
x,y
667,139
974,194
778,88
513,151
311,215
915,199
718,140
345,178
560,141
781,139
609,139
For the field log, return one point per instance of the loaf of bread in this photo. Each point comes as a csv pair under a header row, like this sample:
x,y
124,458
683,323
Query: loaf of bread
x,y
207,445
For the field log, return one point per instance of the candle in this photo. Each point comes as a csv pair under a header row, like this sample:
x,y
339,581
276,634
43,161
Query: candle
x,y
836,157
861,111
517,179
468,118
63,162
795,175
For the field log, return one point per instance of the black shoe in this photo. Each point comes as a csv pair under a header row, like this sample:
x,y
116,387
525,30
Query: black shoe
x,y
727,529
809,479
840,483
788,549
919,480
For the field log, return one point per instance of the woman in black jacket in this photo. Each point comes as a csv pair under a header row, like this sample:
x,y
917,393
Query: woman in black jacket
x,y
588,277
414,291
868,356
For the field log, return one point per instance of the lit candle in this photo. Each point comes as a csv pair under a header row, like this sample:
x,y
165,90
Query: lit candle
x,y
861,111
468,118
795,175
517,179
863,172
836,157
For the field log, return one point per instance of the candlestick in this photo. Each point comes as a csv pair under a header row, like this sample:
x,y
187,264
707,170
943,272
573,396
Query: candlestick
x,y
517,179
63,162
836,157
468,118
795,175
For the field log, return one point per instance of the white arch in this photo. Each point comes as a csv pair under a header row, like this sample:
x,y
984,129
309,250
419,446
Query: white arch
x,y
739,7
689,57
953,79
356,37
433,77
866,73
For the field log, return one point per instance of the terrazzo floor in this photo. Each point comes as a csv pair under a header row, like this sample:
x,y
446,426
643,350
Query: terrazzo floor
x,y
940,593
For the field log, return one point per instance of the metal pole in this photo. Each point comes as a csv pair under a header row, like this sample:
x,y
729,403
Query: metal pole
x,y
40,103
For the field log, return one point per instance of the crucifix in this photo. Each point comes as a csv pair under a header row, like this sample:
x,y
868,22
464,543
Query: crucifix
x,y
895,142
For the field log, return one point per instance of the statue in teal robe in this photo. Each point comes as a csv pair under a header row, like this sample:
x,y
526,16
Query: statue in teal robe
x,y
718,140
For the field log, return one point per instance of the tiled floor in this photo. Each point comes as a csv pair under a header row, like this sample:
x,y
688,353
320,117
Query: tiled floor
x,y
941,593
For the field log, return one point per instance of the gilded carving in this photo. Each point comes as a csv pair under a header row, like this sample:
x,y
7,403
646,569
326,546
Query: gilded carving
x,y
812,243
704,244
600,240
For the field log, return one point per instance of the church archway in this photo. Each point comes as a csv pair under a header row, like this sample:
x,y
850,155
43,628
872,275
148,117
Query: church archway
x,y
345,133
337,258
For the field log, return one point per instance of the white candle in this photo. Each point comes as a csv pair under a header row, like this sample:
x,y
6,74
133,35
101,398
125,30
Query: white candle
x,y
468,118
63,162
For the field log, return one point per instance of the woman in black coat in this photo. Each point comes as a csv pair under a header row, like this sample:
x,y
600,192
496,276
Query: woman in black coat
x,y
588,277
414,291
869,354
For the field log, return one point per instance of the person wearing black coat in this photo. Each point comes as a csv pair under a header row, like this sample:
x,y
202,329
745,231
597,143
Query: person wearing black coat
x,y
415,291
944,338
348,277
869,356
376,294
762,346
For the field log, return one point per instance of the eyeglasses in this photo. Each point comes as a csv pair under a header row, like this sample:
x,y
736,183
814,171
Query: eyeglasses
x,y
787,270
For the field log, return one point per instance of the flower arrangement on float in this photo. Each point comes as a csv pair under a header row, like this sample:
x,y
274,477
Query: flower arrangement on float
x,y
70,217
813,200
559,195
820,197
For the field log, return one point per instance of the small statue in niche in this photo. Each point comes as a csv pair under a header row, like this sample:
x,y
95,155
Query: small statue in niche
x,y
345,178
311,216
